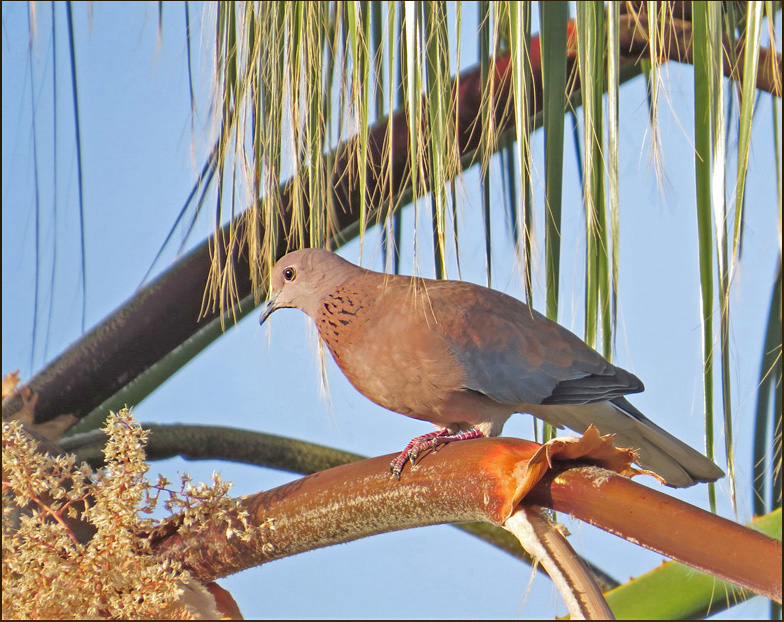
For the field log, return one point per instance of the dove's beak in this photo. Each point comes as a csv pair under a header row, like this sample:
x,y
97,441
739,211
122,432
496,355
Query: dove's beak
x,y
268,308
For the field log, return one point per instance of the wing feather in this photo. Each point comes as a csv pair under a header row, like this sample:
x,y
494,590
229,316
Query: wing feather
x,y
514,354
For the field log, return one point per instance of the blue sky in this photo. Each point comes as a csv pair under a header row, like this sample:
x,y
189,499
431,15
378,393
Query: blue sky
x,y
140,161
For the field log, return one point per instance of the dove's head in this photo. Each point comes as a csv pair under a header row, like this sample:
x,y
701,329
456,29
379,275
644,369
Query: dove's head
x,y
302,279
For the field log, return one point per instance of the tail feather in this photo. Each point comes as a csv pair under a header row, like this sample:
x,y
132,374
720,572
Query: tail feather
x,y
659,451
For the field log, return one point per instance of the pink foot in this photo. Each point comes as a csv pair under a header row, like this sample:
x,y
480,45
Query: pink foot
x,y
431,440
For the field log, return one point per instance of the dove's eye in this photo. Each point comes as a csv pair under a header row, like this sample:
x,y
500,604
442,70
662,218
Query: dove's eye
x,y
289,274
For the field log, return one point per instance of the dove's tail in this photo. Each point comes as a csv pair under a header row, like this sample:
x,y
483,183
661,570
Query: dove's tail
x,y
659,451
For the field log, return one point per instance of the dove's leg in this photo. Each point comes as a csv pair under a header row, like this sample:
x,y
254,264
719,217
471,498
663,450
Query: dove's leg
x,y
428,441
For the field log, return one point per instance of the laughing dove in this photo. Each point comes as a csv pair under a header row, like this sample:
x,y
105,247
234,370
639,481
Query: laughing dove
x,y
465,358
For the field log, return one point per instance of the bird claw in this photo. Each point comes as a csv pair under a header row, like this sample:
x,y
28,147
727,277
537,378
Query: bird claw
x,y
396,466
429,441
413,453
